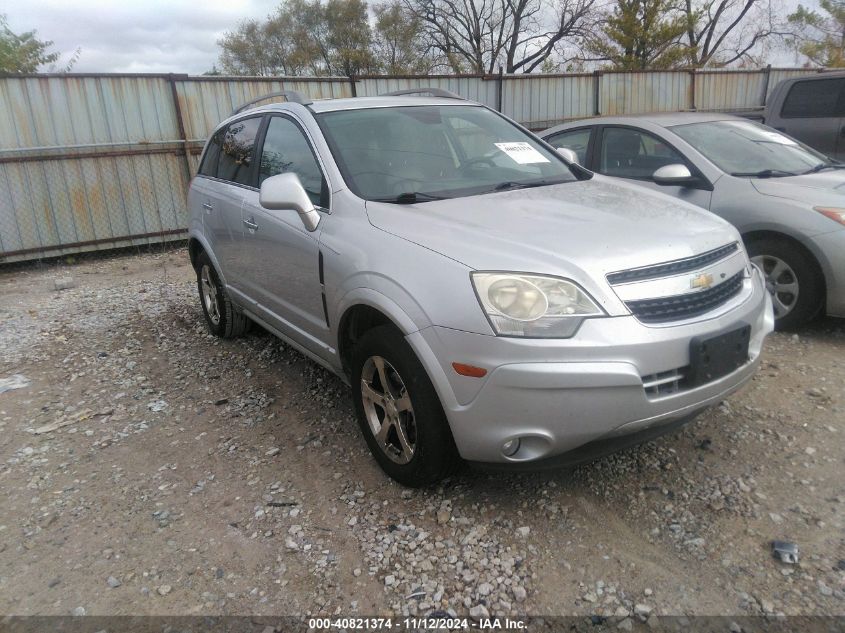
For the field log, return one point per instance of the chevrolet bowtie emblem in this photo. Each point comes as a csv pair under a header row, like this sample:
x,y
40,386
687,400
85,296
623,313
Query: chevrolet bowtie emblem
x,y
704,280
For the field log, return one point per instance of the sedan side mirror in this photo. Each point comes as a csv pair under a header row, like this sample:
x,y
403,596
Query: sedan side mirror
x,y
674,175
285,192
568,154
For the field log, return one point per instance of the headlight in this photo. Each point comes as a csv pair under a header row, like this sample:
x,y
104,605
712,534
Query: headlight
x,y
836,214
533,306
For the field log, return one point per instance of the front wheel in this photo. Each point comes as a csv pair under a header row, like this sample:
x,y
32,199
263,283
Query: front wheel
x,y
793,280
399,412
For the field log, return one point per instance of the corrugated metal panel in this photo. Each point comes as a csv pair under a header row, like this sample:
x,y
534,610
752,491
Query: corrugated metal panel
x,y
729,90
205,103
61,111
482,90
539,102
633,93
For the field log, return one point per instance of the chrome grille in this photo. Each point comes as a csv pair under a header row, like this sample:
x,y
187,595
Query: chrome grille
x,y
685,306
675,267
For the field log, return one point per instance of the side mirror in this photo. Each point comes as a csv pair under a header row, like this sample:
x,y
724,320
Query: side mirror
x,y
674,175
285,192
568,154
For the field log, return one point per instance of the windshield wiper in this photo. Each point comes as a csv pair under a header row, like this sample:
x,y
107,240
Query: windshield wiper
x,y
410,197
509,185
764,173
822,166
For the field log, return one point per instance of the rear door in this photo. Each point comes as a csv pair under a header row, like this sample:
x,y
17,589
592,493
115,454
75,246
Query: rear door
x,y
812,112
225,192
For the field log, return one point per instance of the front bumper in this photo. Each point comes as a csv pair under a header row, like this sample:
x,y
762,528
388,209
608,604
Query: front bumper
x,y
557,395
829,249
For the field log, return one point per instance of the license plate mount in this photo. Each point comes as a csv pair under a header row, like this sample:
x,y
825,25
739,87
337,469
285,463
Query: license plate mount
x,y
713,357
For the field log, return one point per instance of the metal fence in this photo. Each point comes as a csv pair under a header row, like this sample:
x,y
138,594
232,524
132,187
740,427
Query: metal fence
x,y
97,161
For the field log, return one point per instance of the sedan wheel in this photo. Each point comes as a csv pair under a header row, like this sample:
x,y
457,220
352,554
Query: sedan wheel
x,y
781,282
388,409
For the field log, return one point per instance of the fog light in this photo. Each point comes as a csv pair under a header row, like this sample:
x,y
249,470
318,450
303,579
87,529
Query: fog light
x,y
510,447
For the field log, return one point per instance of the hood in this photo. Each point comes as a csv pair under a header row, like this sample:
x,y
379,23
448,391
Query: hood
x,y
823,188
580,230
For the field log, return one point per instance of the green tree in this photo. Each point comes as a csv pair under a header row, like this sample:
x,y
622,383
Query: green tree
x,y
820,35
398,45
349,37
23,53
302,37
642,35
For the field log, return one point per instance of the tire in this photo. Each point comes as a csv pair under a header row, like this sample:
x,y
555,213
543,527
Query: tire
x,y
793,279
416,415
222,318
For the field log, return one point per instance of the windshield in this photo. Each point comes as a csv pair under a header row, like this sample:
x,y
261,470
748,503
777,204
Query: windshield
x,y
421,153
748,148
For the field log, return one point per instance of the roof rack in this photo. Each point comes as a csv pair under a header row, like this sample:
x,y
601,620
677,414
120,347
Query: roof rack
x,y
291,95
434,92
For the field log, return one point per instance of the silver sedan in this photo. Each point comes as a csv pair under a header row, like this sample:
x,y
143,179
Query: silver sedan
x,y
787,200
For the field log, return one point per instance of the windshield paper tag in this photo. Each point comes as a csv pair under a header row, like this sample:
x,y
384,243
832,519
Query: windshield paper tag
x,y
774,137
522,153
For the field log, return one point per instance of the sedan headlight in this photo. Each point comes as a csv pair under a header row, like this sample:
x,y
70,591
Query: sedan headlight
x,y
533,306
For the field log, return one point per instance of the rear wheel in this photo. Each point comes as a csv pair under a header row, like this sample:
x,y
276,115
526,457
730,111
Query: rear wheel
x,y
220,314
792,279
398,410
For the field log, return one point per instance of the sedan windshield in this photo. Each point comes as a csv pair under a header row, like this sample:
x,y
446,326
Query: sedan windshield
x,y
745,148
412,154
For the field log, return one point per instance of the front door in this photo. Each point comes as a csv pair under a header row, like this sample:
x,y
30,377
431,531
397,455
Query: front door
x,y
283,257
635,154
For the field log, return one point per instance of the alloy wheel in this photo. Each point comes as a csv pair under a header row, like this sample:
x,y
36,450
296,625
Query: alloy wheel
x,y
388,409
209,295
781,282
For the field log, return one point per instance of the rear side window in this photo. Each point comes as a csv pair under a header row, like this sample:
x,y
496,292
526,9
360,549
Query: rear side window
x,y
813,99
237,149
287,150
208,167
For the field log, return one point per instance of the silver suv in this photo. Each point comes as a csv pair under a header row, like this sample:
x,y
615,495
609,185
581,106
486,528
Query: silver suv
x,y
487,299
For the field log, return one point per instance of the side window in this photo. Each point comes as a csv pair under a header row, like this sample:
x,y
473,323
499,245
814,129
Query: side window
x,y
208,167
811,99
287,150
576,140
237,147
628,153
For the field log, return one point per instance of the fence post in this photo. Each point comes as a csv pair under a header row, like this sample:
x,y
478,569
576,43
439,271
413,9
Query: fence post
x,y
692,89
596,92
180,123
499,87
352,85
766,84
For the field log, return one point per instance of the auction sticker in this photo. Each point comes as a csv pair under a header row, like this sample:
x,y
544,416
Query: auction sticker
x,y
522,153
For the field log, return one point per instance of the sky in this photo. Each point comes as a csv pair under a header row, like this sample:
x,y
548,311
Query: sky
x,y
155,36
129,36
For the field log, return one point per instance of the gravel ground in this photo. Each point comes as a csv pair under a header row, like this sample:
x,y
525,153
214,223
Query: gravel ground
x,y
150,468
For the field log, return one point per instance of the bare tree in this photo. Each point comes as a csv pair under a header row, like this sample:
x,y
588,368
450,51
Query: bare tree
x,y
478,35
722,32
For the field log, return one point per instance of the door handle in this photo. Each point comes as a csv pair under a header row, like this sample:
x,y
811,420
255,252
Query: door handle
x,y
207,206
251,224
